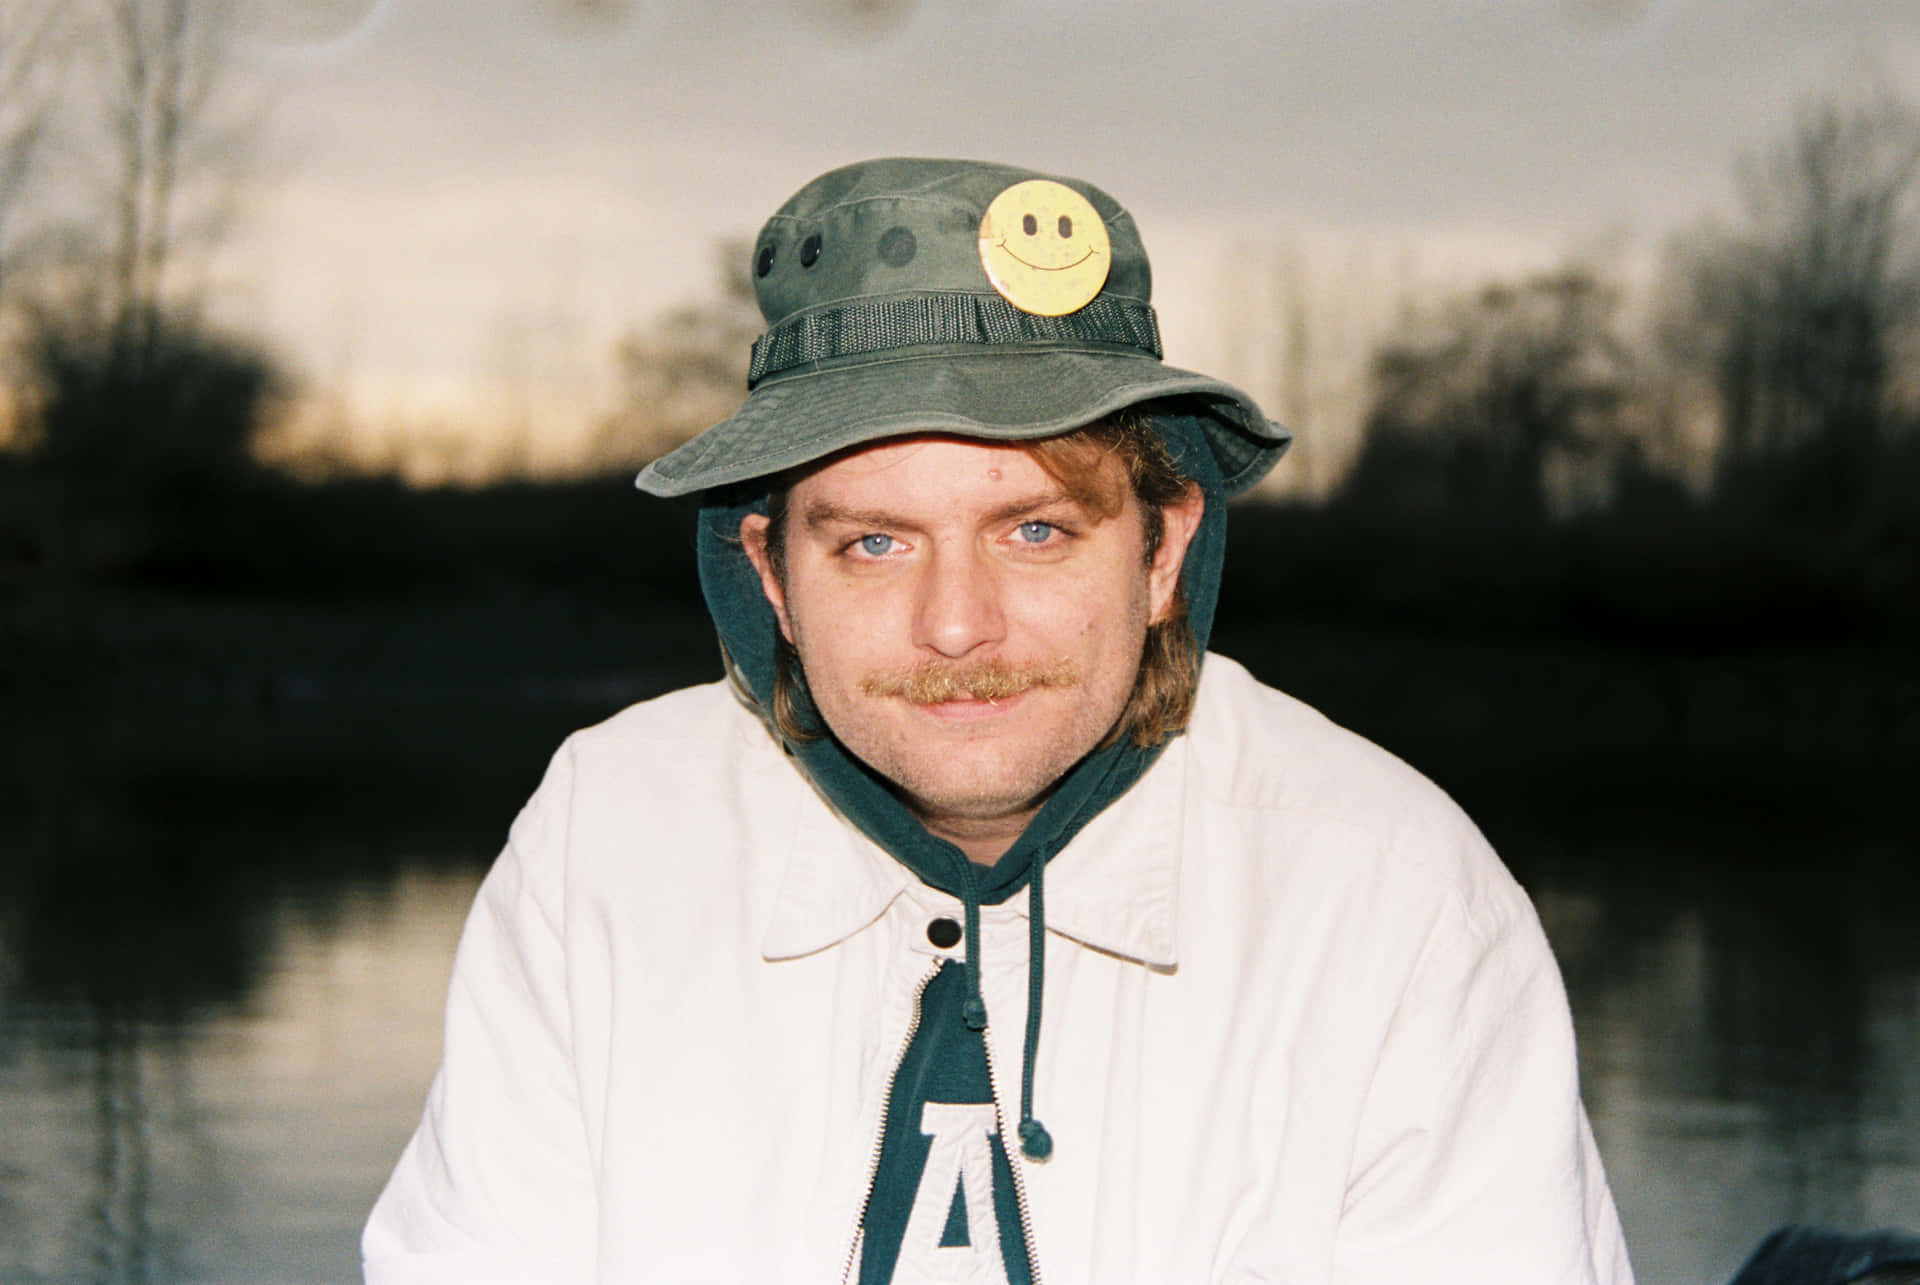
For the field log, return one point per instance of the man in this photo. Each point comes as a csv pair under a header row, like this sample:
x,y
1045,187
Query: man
x,y
976,930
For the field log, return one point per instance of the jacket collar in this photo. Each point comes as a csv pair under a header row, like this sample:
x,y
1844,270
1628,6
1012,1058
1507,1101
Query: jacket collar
x,y
1114,887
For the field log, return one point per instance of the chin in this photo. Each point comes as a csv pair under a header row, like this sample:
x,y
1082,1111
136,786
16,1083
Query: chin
x,y
976,797
982,770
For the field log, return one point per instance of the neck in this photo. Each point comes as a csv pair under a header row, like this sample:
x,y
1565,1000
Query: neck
x,y
984,840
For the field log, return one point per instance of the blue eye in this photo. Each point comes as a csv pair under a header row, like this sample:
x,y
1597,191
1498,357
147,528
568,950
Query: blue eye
x,y
1036,532
875,545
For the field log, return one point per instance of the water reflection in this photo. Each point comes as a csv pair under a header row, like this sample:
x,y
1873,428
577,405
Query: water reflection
x,y
244,1141
218,1008
1750,1043
218,1019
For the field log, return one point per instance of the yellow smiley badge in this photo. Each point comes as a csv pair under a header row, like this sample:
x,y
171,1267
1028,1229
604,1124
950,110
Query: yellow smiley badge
x,y
1044,248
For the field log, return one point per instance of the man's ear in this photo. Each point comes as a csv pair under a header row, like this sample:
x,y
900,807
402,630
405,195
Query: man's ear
x,y
1178,522
753,538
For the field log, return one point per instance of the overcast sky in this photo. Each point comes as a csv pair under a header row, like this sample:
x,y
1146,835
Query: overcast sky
x,y
454,185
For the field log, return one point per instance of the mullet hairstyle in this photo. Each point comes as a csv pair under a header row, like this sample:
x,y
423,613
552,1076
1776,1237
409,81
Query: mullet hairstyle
x,y
1161,702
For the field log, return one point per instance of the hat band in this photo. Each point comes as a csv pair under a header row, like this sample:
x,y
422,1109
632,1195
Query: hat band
x,y
877,325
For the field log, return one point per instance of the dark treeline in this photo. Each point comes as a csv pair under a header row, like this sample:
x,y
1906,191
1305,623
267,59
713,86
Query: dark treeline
x,y
1738,466
1744,465
1412,537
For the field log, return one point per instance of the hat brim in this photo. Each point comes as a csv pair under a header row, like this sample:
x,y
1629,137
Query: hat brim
x,y
1004,393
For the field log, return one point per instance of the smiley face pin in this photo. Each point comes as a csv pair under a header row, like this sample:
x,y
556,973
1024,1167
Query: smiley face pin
x,y
1044,248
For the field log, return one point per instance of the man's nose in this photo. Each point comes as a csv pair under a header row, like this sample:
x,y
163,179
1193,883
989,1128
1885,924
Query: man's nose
x,y
959,603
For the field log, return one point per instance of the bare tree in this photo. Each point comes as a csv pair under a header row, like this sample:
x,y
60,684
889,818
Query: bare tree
x,y
1518,401
172,153
137,131
686,370
140,420
30,66
1802,315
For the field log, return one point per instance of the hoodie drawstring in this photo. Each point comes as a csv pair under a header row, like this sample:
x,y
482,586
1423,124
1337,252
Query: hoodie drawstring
x,y
1035,1142
1033,1138
973,1008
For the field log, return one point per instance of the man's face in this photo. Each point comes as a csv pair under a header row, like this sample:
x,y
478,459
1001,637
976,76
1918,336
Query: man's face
x,y
967,629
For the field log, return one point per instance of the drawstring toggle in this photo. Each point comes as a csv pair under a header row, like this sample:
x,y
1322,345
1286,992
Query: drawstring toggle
x,y
1035,1142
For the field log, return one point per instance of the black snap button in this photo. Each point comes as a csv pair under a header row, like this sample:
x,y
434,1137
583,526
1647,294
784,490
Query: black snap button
x,y
944,933
764,264
810,251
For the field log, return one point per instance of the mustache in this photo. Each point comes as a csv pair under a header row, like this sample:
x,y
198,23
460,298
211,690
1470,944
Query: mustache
x,y
934,682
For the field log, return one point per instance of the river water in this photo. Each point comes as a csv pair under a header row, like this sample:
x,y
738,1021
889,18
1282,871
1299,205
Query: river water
x,y
217,1024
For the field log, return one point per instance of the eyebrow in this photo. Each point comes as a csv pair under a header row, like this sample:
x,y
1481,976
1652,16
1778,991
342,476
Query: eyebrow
x,y
825,513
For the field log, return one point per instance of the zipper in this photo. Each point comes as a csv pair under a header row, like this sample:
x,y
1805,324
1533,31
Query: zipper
x,y
1015,1160
880,1130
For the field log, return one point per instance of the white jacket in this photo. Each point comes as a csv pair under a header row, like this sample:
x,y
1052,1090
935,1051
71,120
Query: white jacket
x,y
1300,1025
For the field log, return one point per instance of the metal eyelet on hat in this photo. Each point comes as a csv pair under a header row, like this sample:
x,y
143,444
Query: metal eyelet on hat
x,y
810,251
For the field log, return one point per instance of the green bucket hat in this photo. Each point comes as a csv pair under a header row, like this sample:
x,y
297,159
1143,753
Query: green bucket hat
x,y
933,296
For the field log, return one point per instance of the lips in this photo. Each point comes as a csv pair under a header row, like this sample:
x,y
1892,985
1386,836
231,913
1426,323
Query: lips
x,y
969,709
